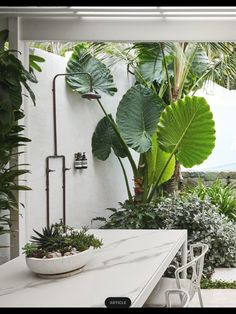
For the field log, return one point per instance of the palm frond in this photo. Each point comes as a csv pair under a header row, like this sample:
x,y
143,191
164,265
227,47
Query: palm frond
x,y
217,48
113,53
221,71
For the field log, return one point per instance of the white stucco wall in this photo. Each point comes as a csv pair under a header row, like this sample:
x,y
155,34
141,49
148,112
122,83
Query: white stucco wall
x,y
223,106
88,191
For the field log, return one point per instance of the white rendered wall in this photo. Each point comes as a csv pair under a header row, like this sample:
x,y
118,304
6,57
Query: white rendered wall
x,y
223,106
89,191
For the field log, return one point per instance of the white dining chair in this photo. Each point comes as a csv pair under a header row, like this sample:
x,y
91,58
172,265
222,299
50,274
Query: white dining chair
x,y
191,284
183,298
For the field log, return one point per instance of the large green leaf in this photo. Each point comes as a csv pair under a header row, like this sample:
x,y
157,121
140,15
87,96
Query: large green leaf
x,y
186,128
151,157
33,63
10,87
150,62
10,174
101,140
162,158
6,117
157,160
104,138
31,93
200,62
137,116
102,80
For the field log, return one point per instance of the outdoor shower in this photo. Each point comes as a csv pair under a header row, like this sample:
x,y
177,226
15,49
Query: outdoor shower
x,y
89,95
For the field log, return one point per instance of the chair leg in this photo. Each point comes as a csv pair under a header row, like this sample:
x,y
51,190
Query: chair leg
x,y
200,297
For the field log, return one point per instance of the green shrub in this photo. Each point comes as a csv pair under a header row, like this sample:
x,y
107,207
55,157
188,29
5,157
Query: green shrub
x,y
199,217
130,216
224,197
204,224
217,284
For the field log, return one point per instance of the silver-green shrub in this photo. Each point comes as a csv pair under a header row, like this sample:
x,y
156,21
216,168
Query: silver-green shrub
x,y
204,224
200,217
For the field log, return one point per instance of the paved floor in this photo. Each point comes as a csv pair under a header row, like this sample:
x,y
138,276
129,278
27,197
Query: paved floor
x,y
218,297
227,274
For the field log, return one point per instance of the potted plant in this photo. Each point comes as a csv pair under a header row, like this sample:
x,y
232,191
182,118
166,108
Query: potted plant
x,y
60,250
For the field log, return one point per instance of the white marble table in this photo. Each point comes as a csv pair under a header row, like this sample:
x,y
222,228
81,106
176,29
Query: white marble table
x,y
130,264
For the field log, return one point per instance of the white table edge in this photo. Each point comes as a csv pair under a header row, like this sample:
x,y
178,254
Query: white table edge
x,y
146,291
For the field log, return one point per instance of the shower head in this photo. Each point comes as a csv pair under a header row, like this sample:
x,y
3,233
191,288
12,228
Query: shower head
x,y
91,95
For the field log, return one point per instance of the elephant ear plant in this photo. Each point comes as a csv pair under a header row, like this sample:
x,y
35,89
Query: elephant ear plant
x,y
174,70
12,76
182,131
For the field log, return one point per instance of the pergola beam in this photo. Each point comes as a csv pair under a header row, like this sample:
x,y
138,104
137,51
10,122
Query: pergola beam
x,y
119,11
125,29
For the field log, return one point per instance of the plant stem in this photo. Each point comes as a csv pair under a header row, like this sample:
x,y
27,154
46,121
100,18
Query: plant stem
x,y
186,72
126,180
167,74
159,178
145,183
151,86
162,88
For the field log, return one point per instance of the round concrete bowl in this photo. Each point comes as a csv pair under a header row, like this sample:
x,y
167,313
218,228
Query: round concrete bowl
x,y
59,265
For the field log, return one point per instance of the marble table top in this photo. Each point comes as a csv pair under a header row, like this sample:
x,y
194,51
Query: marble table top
x,y
129,264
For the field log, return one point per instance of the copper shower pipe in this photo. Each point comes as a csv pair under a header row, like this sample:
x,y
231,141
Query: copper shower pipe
x,y
54,101
89,95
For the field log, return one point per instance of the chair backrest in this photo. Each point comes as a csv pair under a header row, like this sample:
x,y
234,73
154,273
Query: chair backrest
x,y
196,265
184,297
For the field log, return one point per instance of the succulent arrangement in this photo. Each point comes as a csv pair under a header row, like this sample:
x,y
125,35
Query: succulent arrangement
x,y
60,240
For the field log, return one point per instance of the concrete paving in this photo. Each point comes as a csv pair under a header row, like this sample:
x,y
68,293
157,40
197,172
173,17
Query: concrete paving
x,y
218,297
226,274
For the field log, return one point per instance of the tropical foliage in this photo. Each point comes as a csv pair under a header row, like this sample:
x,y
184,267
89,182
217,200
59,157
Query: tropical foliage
x,y
224,197
182,132
12,76
33,63
56,47
81,61
200,217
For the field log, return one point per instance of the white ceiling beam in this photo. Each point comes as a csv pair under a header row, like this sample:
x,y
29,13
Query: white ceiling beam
x,y
158,9
34,9
114,15
121,16
38,15
158,15
114,8
197,8
116,11
68,29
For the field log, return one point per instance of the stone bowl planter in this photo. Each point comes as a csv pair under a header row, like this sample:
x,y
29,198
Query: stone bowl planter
x,y
59,267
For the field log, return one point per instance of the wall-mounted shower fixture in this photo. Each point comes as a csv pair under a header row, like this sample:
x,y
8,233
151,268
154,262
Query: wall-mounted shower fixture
x,y
90,95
